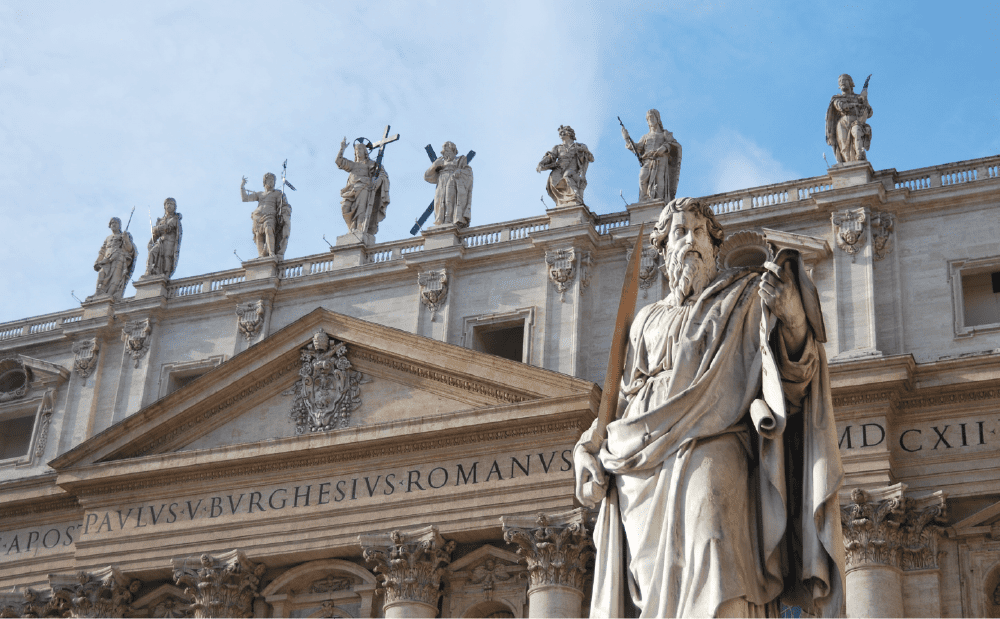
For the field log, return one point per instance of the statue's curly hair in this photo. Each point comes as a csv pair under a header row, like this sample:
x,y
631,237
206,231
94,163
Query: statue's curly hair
x,y
274,179
662,228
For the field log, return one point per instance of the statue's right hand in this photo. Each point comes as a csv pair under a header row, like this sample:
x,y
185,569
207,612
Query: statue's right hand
x,y
591,478
244,183
343,144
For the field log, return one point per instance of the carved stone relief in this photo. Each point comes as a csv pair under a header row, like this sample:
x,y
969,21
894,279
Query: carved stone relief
x,y
15,379
433,289
886,528
562,269
586,268
136,335
171,607
557,547
250,318
849,228
104,593
328,388
648,267
44,422
409,564
222,585
882,234
86,356
25,603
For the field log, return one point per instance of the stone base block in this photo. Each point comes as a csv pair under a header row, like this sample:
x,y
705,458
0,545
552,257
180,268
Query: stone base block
x,y
441,236
149,286
851,174
645,212
355,238
569,215
261,268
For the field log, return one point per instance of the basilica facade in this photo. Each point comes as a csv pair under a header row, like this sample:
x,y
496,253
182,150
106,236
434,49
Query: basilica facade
x,y
387,429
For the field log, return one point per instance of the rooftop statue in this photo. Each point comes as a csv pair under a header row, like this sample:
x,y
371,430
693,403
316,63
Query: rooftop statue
x,y
165,245
115,262
568,162
453,196
272,219
847,129
660,156
365,197
717,477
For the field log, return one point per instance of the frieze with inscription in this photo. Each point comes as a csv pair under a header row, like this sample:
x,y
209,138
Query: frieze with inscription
x,y
928,438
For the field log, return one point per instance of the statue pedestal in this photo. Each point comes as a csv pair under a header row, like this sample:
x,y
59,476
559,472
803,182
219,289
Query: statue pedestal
x,y
261,268
851,174
353,238
149,286
441,236
96,306
569,215
352,249
645,212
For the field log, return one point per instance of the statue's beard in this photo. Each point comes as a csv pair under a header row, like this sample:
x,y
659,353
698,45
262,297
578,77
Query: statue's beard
x,y
688,273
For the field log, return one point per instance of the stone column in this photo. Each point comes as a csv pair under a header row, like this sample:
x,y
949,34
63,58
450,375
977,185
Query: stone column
x,y
557,549
410,565
891,547
104,593
222,585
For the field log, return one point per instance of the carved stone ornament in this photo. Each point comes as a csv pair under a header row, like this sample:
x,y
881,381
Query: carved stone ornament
x,y
882,234
850,230
222,585
86,356
43,431
586,269
488,573
562,269
251,318
409,564
433,289
328,388
104,593
332,583
648,267
26,603
557,547
885,528
136,334
172,607
15,379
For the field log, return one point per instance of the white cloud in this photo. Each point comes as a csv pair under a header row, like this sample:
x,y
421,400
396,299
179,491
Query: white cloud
x,y
738,162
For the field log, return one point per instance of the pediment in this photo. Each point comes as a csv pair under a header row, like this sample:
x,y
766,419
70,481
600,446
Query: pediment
x,y
404,384
22,376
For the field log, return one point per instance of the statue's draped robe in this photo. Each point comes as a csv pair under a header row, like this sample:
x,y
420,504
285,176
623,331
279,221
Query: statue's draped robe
x,y
165,249
566,163
274,212
453,195
356,195
115,264
840,121
701,499
660,172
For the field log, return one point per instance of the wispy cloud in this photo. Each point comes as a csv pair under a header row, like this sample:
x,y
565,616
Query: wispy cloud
x,y
738,162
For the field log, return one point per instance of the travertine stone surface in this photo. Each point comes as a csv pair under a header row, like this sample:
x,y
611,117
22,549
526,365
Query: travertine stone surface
x,y
103,593
222,585
363,200
660,156
453,195
568,163
272,219
165,245
847,129
115,262
557,550
410,565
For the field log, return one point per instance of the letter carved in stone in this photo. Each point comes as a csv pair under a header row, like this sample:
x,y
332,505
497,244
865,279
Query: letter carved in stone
x,y
409,564
222,585
562,269
104,593
328,388
433,289
849,228
557,548
882,228
136,334
86,356
251,318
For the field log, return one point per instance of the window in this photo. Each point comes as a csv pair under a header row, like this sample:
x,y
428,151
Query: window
x,y
173,376
976,295
506,334
15,436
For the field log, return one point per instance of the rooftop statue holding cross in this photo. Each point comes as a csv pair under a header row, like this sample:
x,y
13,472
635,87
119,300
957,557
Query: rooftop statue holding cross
x,y
365,197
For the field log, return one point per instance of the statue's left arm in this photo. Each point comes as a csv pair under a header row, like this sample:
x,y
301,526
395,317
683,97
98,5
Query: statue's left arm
x,y
783,297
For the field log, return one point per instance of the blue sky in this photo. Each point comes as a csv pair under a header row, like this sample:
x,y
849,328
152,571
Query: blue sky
x,y
105,106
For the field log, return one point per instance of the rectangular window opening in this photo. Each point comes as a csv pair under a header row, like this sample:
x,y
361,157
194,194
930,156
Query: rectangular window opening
x,y
503,340
981,298
15,436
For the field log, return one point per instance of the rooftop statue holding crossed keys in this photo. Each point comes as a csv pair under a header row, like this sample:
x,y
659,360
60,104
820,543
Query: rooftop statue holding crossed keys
x,y
365,197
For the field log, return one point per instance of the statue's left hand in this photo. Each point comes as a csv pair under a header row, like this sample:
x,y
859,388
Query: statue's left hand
x,y
780,292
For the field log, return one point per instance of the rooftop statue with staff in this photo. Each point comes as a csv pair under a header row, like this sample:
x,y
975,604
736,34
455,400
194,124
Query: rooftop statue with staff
x,y
272,219
659,156
365,197
115,261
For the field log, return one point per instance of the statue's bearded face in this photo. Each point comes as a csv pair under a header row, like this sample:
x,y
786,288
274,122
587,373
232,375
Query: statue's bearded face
x,y
689,255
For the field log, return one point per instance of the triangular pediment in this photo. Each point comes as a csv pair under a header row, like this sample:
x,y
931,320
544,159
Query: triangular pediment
x,y
403,384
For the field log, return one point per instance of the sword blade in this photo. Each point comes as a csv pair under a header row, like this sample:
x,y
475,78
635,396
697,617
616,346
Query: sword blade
x,y
619,340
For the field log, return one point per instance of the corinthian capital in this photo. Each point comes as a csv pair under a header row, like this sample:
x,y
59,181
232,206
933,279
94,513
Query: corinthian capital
x,y
222,585
884,527
409,564
104,593
556,547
